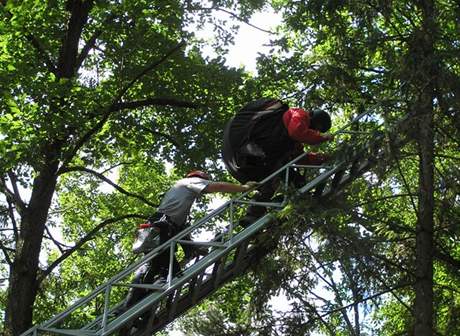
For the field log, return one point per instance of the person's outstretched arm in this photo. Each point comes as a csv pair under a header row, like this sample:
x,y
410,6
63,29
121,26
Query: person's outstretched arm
x,y
226,187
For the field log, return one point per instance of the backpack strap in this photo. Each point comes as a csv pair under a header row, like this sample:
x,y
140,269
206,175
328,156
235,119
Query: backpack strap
x,y
266,107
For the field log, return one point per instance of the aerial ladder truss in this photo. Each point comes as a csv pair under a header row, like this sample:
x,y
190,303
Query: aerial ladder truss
x,y
229,254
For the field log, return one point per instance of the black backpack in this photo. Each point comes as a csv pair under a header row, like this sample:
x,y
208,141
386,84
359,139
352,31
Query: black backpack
x,y
258,113
255,134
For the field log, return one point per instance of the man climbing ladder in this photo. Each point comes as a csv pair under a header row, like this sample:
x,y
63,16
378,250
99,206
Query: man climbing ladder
x,y
263,136
170,219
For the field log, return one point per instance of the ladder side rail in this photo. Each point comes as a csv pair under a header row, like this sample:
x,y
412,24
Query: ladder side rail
x,y
122,274
189,273
105,286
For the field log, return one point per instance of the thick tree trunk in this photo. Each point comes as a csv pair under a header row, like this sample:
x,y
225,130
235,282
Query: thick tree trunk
x,y
425,224
425,65
23,283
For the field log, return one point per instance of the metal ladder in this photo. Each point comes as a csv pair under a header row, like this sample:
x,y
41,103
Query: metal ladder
x,y
230,253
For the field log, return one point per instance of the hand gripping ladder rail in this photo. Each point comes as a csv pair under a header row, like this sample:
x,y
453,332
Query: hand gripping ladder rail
x,y
229,254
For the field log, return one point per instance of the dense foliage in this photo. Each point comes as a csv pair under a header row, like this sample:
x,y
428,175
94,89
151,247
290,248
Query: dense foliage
x,y
95,93
359,264
100,98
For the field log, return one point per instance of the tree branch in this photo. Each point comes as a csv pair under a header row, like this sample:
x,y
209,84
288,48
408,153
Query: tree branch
x,y
146,70
332,311
50,237
380,199
447,259
86,49
117,165
13,220
153,101
89,236
167,136
14,184
68,54
5,251
400,300
105,116
243,20
41,51
105,179
12,194
406,184
91,43
236,16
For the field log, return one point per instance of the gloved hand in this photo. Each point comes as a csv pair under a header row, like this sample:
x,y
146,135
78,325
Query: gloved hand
x,y
328,137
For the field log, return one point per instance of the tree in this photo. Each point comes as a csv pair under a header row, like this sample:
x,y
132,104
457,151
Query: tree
x,y
88,86
386,245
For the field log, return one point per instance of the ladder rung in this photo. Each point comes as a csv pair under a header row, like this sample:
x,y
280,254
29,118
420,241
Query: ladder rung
x,y
70,332
195,289
175,297
310,166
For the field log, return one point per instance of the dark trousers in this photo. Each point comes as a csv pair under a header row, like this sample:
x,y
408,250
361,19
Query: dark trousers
x,y
161,262
267,190
157,267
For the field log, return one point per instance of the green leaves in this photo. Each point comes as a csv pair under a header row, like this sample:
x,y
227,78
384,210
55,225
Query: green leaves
x,y
135,103
116,94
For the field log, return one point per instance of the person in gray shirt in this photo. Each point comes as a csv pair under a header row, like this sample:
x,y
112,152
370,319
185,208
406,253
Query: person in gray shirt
x,y
170,219
178,200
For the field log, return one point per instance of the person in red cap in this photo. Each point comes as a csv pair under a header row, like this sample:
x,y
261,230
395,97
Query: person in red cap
x,y
178,200
266,134
170,218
